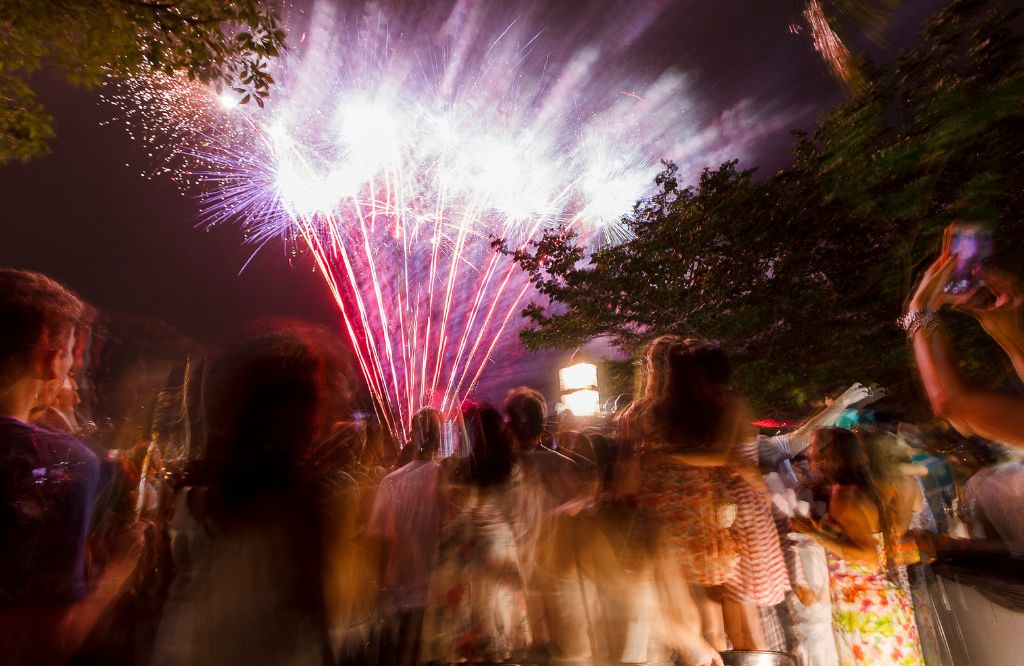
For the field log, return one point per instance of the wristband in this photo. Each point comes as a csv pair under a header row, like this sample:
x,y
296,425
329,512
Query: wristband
x,y
916,320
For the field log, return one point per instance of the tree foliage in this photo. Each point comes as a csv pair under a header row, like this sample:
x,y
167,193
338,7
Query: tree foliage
x,y
802,274
222,42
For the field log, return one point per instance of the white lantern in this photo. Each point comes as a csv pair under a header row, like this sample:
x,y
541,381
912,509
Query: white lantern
x,y
578,376
579,389
584,402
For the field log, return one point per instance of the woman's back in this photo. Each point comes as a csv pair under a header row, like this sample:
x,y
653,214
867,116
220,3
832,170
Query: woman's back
x,y
476,604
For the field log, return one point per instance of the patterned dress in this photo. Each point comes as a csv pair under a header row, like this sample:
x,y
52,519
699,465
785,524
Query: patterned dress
x,y
476,602
872,616
692,506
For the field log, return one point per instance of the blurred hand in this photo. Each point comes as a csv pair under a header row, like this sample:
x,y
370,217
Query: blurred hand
x,y
853,395
930,293
999,316
805,595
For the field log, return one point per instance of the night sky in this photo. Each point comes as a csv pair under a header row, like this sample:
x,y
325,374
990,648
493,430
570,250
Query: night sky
x,y
86,216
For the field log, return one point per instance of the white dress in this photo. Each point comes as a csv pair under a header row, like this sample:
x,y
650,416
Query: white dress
x,y
812,625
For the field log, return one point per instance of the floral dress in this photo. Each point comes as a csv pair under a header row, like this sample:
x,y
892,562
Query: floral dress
x,y
476,604
695,510
872,616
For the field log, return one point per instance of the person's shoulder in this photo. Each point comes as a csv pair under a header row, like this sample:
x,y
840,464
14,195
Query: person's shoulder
x,y
399,472
15,431
19,437
1009,468
74,451
414,472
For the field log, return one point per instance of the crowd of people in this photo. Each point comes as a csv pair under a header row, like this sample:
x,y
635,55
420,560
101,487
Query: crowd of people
x,y
242,509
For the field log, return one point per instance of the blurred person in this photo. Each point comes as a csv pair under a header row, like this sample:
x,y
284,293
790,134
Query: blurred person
x,y
545,479
352,560
809,608
937,484
59,403
700,479
903,490
476,601
863,534
48,480
380,452
130,360
613,592
577,446
993,497
649,385
406,521
252,532
995,300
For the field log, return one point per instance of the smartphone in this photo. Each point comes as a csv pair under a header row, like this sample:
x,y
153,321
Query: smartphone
x,y
972,245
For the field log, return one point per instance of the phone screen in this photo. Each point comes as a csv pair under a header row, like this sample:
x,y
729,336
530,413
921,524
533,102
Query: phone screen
x,y
972,245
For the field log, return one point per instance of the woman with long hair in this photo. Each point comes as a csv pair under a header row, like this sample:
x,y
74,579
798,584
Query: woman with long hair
x,y
863,531
476,604
700,481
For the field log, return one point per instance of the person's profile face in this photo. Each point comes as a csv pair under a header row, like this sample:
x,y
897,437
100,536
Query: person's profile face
x,y
56,367
66,358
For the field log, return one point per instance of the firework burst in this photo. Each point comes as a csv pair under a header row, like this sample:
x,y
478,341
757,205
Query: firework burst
x,y
393,162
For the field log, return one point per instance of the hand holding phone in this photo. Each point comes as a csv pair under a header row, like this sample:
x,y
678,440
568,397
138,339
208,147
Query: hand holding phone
x,y
972,245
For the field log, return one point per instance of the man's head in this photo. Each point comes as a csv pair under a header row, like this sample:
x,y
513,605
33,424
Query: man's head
x,y
37,335
526,412
426,432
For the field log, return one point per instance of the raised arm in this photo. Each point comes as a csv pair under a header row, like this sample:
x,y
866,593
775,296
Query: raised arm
x,y
773,450
991,415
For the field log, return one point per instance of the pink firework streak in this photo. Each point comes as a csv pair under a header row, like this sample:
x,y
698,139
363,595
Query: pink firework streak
x,y
393,163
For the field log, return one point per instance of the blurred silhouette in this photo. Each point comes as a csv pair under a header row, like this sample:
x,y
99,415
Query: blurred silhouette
x,y
476,602
48,601
863,532
250,536
406,521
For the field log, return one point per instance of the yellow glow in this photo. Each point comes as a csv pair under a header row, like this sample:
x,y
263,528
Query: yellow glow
x,y
582,403
578,376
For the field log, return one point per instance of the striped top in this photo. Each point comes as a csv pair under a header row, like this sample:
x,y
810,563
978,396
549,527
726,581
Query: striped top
x,y
761,577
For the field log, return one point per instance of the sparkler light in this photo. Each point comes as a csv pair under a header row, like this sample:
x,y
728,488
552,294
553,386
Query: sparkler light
x,y
392,161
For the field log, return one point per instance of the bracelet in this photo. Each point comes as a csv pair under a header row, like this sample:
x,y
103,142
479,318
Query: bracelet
x,y
915,320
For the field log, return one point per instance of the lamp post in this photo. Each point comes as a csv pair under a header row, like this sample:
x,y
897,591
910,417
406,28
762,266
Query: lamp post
x,y
579,389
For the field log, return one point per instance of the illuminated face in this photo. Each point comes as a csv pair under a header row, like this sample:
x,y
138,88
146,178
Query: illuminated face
x,y
60,361
67,357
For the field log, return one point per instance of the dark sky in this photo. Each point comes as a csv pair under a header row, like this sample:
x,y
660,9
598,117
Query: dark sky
x,y
86,216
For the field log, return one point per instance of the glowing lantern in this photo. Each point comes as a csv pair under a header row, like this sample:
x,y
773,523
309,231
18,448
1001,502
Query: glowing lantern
x,y
579,389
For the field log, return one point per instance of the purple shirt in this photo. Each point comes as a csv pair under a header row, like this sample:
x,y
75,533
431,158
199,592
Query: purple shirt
x,y
48,483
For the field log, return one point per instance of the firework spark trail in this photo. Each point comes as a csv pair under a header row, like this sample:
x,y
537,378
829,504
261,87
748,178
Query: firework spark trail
x,y
392,163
